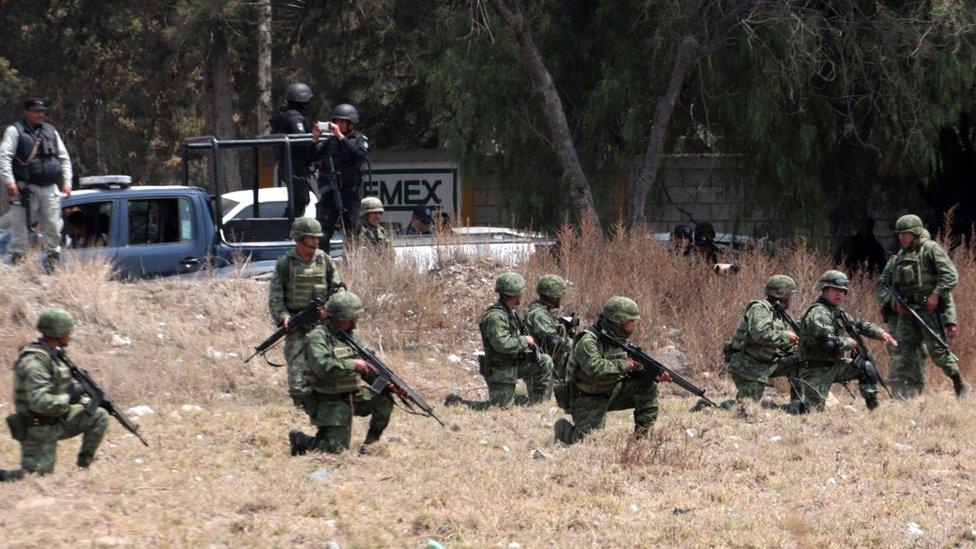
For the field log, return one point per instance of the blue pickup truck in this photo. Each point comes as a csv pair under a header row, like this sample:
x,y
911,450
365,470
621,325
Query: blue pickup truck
x,y
150,231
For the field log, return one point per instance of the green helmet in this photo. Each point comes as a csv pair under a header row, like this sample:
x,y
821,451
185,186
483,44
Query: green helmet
x,y
620,309
510,284
834,279
910,223
551,286
344,306
780,286
305,226
55,322
371,204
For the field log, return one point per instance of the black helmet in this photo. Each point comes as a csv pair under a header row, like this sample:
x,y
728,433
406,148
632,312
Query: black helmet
x,y
298,93
345,111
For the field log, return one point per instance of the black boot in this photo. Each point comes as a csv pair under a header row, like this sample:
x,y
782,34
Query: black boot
x,y
299,442
959,386
563,430
11,475
84,460
642,430
16,258
871,401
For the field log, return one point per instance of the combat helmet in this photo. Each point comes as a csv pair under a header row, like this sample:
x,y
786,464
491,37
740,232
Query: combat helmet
x,y
620,309
55,322
344,306
345,111
510,284
298,93
834,279
551,286
371,204
305,226
780,286
910,223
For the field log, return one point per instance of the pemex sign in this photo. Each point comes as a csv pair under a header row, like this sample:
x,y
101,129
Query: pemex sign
x,y
403,187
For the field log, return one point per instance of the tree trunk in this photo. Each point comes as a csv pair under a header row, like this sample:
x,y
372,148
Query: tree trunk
x,y
264,65
222,106
552,106
641,184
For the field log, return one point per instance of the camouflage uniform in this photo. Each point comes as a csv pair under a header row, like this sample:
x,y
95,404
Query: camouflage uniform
x,y
543,325
42,399
600,381
761,348
336,391
824,344
293,285
918,271
377,238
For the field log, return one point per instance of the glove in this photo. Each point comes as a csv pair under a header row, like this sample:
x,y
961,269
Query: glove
x,y
74,394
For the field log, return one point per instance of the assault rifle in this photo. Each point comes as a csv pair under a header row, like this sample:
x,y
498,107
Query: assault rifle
x,y
536,351
903,301
786,316
571,323
862,356
97,396
655,368
385,377
305,318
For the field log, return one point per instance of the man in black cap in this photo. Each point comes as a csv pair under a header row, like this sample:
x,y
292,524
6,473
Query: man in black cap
x,y
292,119
340,154
34,163
420,221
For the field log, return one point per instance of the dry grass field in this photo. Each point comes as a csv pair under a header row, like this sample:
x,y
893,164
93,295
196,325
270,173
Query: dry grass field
x,y
218,470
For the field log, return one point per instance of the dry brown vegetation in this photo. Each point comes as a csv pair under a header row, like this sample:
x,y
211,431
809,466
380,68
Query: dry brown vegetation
x,y
221,473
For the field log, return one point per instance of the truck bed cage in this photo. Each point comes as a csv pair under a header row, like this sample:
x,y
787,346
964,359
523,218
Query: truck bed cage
x,y
213,145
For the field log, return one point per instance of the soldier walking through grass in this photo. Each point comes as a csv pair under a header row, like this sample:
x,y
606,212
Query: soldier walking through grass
x,y
334,376
923,273
49,406
601,378
299,275
825,343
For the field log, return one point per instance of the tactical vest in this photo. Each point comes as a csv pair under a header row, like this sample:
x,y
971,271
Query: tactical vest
x,y
375,237
60,376
913,273
304,277
812,348
341,383
743,342
594,385
491,355
44,168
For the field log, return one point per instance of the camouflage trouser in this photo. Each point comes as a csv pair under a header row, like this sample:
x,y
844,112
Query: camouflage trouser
x,y
38,451
907,371
295,365
816,377
752,376
590,411
537,376
332,414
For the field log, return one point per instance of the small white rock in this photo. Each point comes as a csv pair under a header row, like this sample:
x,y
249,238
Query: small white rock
x,y
453,358
690,433
199,437
913,529
850,408
140,410
120,341
214,354
775,438
902,447
483,442
831,481
138,461
506,448
333,544
191,408
634,508
912,422
514,545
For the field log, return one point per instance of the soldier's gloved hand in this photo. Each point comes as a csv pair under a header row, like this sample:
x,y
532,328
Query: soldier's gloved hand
x,y
633,365
363,367
932,303
951,331
285,321
886,337
74,393
793,337
663,377
529,340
